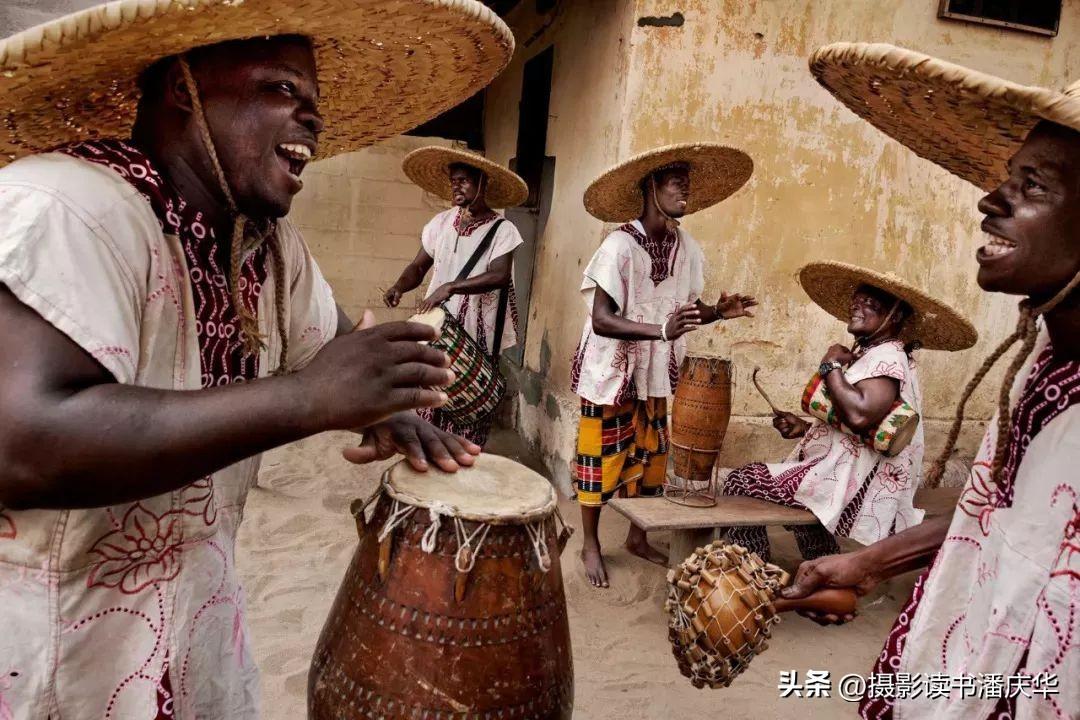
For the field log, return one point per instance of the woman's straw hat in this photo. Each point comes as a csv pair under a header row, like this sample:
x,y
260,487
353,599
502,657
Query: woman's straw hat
x,y
968,122
384,66
935,325
429,167
716,171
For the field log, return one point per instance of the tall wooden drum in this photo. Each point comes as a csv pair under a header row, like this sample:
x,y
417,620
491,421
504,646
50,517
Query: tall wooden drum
x,y
699,420
453,606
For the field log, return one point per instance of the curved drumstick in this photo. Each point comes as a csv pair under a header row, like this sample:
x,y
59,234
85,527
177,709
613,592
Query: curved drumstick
x,y
836,601
753,377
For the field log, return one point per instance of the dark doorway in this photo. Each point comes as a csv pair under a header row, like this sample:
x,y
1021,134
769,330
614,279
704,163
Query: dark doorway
x,y
538,170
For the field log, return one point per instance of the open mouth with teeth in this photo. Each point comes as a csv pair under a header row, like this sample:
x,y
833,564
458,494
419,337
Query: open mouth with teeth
x,y
295,157
996,247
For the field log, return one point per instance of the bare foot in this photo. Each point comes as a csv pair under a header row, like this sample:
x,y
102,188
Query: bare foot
x,y
643,549
595,570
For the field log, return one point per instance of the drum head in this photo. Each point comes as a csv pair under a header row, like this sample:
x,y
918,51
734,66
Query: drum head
x,y
434,317
494,490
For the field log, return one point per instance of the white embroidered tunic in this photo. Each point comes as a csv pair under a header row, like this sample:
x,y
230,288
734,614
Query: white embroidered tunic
x,y
608,371
450,251
125,611
1003,594
854,490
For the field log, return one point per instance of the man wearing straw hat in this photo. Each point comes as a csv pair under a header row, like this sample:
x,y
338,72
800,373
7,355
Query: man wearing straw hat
x,y
470,251
643,292
843,468
1001,598
148,289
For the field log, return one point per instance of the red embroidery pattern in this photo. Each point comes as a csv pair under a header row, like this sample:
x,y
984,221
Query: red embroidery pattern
x,y
1051,388
465,229
143,551
662,253
221,345
1067,563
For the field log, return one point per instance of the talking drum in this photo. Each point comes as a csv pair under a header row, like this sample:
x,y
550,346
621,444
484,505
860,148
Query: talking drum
x,y
894,433
453,606
722,602
699,417
478,385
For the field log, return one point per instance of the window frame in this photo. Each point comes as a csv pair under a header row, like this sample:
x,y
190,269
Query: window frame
x,y
945,13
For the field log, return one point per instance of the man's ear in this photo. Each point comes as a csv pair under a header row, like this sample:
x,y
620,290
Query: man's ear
x,y
176,89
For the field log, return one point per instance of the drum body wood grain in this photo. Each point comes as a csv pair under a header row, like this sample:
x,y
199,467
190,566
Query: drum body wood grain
x,y
417,638
699,416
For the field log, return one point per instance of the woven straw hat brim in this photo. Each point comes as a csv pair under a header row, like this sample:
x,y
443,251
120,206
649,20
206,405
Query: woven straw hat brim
x,y
384,66
935,325
429,167
716,171
968,122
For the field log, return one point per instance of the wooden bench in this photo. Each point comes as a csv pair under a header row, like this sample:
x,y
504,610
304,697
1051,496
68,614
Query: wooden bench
x,y
692,527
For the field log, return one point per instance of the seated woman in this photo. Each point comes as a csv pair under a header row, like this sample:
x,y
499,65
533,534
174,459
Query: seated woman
x,y
835,471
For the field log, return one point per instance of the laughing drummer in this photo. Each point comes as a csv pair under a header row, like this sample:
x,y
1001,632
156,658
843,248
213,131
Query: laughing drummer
x,y
150,285
643,292
999,606
854,489
469,233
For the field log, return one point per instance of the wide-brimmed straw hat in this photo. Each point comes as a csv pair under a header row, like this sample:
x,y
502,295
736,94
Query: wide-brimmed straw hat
x,y
429,167
934,325
384,66
968,122
716,171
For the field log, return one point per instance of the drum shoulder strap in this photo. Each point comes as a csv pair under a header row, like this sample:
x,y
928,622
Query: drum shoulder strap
x,y
500,317
482,248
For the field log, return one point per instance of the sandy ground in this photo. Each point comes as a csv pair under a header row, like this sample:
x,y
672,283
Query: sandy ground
x,y
298,537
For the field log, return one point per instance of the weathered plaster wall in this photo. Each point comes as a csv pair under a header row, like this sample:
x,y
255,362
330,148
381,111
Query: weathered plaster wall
x,y
826,185
362,219
584,133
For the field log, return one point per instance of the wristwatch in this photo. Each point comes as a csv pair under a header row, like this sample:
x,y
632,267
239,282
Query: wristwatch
x,y
827,367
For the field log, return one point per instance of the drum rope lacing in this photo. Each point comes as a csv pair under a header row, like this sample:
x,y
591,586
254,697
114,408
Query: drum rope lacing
x,y
465,558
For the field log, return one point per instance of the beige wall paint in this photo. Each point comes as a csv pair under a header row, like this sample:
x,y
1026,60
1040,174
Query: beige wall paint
x,y
826,185
362,219
585,127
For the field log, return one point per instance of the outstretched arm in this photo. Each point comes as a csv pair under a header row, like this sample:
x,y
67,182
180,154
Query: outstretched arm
x,y
863,569
410,279
74,437
496,276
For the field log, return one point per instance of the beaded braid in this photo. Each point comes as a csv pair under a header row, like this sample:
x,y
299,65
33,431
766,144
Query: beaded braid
x,y
254,341
1026,332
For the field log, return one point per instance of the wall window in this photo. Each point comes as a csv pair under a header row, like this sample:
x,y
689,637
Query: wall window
x,y
1037,16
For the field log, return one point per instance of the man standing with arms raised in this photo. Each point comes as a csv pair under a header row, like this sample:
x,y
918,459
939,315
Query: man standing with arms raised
x,y
643,291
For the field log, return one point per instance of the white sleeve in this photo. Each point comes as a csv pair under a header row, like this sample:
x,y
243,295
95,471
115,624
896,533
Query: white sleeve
x,y
609,270
313,313
73,272
428,237
506,240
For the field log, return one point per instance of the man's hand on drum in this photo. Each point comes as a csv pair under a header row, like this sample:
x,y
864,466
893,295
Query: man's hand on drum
x,y
363,377
419,441
855,570
686,319
791,426
840,354
441,295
